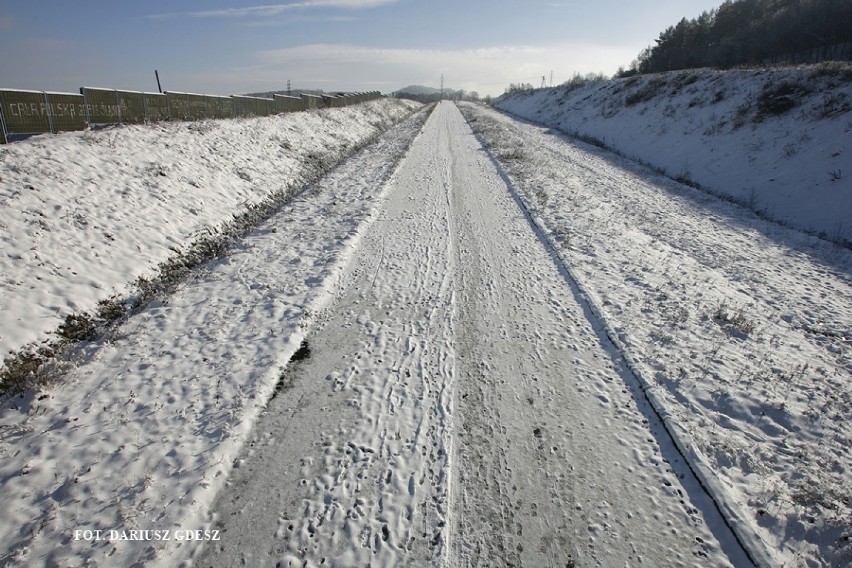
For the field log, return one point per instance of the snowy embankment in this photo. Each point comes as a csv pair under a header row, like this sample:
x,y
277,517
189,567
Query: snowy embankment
x,y
87,213
778,140
141,434
739,328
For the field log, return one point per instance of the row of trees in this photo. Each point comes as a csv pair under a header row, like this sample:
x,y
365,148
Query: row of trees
x,y
748,32
519,88
427,95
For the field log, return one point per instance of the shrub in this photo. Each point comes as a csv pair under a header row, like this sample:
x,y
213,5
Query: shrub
x,y
518,88
20,371
77,328
685,78
736,321
777,99
838,69
833,104
740,115
509,154
647,92
577,80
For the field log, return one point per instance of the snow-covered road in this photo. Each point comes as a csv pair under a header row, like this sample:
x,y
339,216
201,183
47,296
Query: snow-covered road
x,y
460,405
478,308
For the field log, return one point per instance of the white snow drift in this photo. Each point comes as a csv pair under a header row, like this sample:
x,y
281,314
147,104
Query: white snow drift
x,y
85,213
739,326
776,140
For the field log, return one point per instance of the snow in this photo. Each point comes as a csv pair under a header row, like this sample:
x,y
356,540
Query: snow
x,y
85,214
450,429
738,327
707,127
143,430
532,351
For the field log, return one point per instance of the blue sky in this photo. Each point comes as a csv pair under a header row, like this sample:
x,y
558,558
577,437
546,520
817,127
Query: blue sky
x,y
229,47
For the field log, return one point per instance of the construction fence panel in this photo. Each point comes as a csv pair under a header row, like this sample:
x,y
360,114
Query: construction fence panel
x,y
312,101
244,106
108,106
254,106
67,111
156,106
196,107
263,107
131,104
178,105
102,106
32,112
24,112
285,103
220,107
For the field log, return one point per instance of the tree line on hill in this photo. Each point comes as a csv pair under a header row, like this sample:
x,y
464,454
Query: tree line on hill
x,y
427,95
752,32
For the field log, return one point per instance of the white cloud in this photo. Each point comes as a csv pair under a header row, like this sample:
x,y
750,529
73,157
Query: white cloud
x,y
290,21
268,10
487,70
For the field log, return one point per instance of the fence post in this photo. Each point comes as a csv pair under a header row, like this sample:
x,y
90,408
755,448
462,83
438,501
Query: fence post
x,y
117,106
86,105
3,125
49,113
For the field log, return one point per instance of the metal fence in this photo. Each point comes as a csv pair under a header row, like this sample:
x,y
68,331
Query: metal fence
x,y
34,112
285,103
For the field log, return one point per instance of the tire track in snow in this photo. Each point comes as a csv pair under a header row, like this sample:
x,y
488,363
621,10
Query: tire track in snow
x,y
355,473
561,460
745,543
459,407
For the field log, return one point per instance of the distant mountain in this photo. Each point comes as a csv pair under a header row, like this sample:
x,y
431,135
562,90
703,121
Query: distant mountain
x,y
418,90
424,94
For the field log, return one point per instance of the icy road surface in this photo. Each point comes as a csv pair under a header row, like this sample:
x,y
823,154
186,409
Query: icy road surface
x,y
458,405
